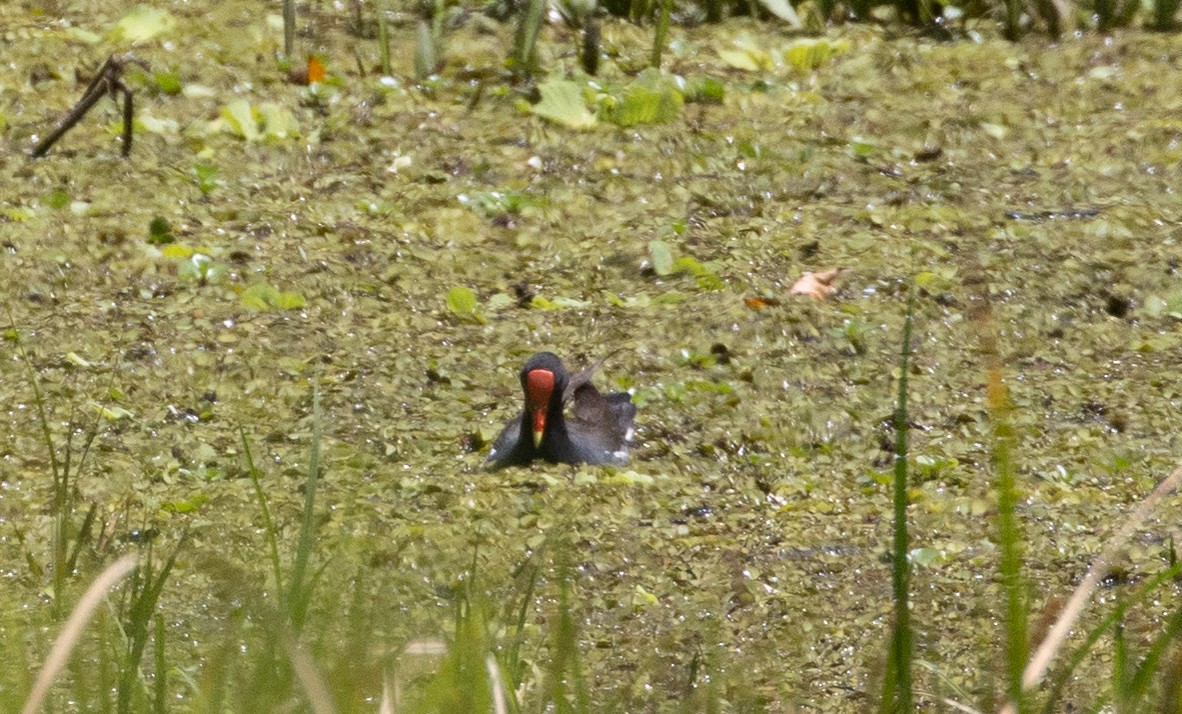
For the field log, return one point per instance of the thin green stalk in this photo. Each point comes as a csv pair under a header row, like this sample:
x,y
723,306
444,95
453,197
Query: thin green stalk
x,y
269,529
1065,673
1013,21
160,701
1121,670
144,597
1163,14
61,505
525,53
384,42
898,696
664,11
1009,538
1009,534
426,59
565,667
1139,679
300,591
289,21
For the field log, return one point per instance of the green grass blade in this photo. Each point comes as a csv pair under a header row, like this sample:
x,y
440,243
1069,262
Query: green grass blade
x,y
999,408
269,530
384,42
300,590
897,695
289,21
1065,673
664,10
525,52
160,700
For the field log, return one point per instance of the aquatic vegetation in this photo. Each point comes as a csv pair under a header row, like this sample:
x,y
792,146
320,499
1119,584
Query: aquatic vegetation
x,y
405,242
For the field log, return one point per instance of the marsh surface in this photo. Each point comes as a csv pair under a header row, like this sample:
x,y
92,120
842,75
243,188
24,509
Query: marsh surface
x,y
750,531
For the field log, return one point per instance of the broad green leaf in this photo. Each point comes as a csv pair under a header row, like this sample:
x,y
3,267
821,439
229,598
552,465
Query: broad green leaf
x,y
652,99
745,54
259,296
704,90
176,251
660,254
808,54
188,505
462,303
112,413
86,36
153,125
286,300
563,103
17,214
278,121
241,119
143,23
168,82
159,232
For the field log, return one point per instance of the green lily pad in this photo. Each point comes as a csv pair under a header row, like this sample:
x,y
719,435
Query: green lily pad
x,y
143,23
563,103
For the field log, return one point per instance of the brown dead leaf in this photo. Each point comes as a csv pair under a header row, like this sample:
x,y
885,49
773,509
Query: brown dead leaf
x,y
758,303
312,73
316,71
818,286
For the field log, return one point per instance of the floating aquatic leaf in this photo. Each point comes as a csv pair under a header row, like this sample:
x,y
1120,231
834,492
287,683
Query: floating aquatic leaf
x,y
201,268
78,360
462,303
82,35
747,55
997,131
207,177
497,203
660,255
704,90
807,54
154,125
262,296
168,82
177,251
240,118
924,557
143,23
563,103
188,505
818,286
278,121
58,198
17,214
653,98
288,300
571,302
160,232
112,413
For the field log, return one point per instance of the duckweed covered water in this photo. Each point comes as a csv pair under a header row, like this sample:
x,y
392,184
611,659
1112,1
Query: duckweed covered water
x,y
318,236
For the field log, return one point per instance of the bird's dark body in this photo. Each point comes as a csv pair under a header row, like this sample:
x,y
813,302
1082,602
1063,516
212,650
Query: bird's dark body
x,y
597,431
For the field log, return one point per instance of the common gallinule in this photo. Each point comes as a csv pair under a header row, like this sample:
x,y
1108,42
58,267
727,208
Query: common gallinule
x,y
597,431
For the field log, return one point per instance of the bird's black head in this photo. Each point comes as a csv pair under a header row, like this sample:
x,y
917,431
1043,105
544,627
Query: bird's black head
x,y
544,380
